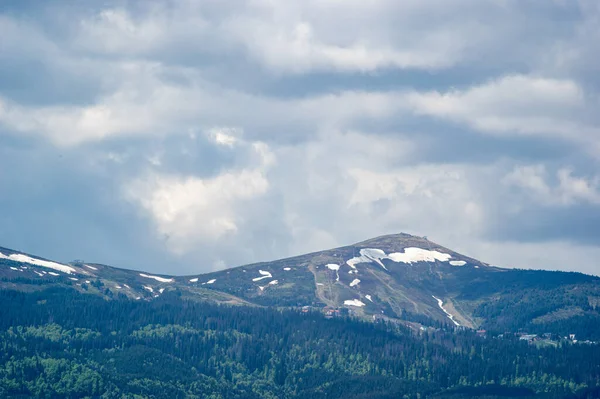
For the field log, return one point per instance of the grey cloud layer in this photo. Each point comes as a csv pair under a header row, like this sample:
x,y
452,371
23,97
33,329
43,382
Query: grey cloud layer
x,y
186,136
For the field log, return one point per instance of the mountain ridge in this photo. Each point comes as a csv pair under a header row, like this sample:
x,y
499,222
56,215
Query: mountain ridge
x,y
398,277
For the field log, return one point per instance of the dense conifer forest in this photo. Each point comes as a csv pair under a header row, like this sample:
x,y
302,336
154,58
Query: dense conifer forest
x,y
59,343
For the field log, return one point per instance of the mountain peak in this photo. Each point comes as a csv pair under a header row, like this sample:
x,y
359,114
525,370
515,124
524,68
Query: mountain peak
x,y
396,276
397,241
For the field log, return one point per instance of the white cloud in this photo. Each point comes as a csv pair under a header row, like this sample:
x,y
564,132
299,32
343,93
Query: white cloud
x,y
513,105
190,211
566,191
115,31
291,36
224,136
146,104
305,36
427,197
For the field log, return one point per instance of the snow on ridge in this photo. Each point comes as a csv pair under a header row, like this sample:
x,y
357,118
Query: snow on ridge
x,y
369,297
287,269
458,262
194,280
161,290
274,282
148,288
91,267
356,260
14,268
354,282
413,255
375,255
211,281
441,305
160,279
53,274
38,262
264,274
354,302
410,255
368,255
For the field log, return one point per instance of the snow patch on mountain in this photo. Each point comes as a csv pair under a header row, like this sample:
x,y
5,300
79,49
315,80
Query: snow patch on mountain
x,y
413,255
458,262
410,255
194,280
441,305
354,282
161,279
354,302
374,255
264,274
369,297
356,260
38,262
211,281
91,267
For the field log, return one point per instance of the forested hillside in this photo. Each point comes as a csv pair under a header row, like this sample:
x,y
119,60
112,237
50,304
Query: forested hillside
x,y
60,343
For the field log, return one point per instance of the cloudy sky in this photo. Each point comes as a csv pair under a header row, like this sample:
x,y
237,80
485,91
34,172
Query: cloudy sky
x,y
182,136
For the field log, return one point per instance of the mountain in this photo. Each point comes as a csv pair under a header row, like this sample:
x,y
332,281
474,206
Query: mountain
x,y
374,320
401,278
